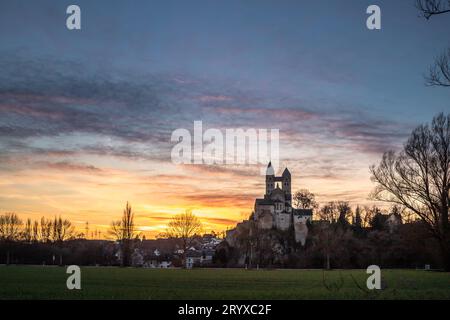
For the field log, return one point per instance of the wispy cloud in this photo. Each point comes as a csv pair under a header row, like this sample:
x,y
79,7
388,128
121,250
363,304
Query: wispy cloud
x,y
69,166
59,119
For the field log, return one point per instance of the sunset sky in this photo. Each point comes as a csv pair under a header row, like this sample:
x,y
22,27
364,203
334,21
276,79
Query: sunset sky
x,y
86,116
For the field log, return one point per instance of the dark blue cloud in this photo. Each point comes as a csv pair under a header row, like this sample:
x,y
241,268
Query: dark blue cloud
x,y
44,97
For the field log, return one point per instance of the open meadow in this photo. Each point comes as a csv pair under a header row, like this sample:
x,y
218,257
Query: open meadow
x,y
38,282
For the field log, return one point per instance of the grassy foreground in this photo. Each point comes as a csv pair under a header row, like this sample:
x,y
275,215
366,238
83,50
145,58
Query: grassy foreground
x,y
35,282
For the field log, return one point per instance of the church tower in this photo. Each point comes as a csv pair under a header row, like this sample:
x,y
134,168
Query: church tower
x,y
286,180
270,179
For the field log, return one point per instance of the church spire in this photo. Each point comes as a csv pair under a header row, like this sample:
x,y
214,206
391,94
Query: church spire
x,y
269,170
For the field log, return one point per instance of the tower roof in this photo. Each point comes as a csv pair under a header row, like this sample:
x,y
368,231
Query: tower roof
x,y
286,173
269,170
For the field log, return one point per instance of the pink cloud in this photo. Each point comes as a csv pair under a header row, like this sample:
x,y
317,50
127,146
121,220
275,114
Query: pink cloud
x,y
216,98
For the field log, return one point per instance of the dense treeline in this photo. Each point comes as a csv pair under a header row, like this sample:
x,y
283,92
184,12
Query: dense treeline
x,y
56,242
79,252
58,229
49,241
342,238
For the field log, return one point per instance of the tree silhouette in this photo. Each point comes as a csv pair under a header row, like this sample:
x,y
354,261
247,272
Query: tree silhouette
x,y
439,72
357,220
62,230
184,227
10,225
329,212
27,233
46,229
418,178
305,199
124,231
429,8
345,212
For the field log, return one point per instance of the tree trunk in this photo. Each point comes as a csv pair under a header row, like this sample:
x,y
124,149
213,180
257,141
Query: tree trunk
x,y
444,240
445,254
125,253
328,261
251,258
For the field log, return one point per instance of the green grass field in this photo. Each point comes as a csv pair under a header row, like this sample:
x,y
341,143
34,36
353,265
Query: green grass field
x,y
34,282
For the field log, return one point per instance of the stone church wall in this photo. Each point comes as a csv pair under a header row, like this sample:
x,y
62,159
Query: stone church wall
x,y
283,221
265,220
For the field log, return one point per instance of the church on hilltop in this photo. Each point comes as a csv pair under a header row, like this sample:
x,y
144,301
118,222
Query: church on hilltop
x,y
275,209
274,212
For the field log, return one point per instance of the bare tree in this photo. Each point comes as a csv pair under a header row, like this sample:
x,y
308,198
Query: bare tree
x,y
357,219
28,231
124,228
439,73
429,8
368,214
36,231
46,229
124,231
328,231
408,216
364,215
328,237
329,212
345,212
305,199
62,230
418,178
10,225
184,227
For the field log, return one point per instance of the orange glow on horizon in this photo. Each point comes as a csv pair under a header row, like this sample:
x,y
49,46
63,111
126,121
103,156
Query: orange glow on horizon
x,y
220,196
